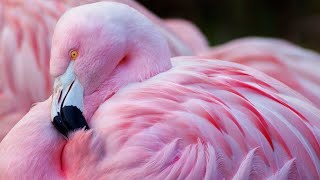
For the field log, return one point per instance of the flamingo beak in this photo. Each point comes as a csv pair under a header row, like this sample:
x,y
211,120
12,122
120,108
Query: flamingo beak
x,y
67,103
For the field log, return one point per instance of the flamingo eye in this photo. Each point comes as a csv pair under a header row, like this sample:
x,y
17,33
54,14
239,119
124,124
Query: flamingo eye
x,y
74,54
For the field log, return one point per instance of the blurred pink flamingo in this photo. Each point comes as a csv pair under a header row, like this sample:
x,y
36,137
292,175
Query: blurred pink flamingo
x,y
152,117
24,56
25,39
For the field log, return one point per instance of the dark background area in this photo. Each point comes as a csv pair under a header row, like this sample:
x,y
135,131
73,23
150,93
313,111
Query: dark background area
x,y
223,20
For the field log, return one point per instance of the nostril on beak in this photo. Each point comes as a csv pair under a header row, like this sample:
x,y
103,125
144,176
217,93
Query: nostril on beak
x,y
60,95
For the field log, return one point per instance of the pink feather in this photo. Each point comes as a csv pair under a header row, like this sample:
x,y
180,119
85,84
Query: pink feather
x,y
288,63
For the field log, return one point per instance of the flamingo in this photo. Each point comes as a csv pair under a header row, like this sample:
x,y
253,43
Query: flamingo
x,y
25,39
123,109
190,34
24,52
294,66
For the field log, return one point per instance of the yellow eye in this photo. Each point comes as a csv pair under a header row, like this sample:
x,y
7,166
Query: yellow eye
x,y
74,54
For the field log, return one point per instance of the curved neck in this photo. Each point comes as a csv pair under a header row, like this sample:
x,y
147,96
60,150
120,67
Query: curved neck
x,y
147,55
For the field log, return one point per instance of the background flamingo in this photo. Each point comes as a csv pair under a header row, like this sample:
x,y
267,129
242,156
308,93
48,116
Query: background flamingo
x,y
24,51
185,118
25,39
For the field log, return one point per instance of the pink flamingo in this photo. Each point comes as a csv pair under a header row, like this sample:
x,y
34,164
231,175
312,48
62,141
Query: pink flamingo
x,y
294,66
152,117
24,56
189,34
25,39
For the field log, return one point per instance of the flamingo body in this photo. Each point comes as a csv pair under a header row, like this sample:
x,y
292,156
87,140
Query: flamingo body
x,y
201,119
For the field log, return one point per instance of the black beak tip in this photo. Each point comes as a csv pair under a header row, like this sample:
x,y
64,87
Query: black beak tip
x,y
70,119
59,125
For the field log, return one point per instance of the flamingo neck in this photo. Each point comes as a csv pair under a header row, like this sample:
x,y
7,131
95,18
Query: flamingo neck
x,y
147,55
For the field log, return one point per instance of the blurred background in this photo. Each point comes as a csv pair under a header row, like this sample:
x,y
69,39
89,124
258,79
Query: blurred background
x,y
222,20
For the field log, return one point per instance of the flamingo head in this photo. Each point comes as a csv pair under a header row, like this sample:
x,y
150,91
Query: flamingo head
x,y
97,49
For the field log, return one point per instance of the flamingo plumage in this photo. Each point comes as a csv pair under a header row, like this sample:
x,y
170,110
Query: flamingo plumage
x,y
294,66
25,39
156,117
